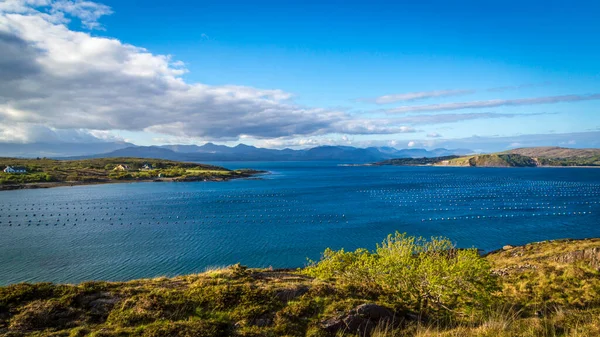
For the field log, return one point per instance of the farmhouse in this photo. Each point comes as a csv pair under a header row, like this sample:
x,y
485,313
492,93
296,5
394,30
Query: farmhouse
x,y
121,167
15,169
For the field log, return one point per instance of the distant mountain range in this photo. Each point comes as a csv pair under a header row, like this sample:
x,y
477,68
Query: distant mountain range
x,y
213,152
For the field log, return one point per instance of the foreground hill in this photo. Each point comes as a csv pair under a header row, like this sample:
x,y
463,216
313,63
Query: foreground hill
x,y
50,173
525,157
541,289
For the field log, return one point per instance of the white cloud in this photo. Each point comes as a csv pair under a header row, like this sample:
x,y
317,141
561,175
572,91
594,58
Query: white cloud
x,y
88,12
413,96
33,133
495,103
63,79
434,135
458,117
412,144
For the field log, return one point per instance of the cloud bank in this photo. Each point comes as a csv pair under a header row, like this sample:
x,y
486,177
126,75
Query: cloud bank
x,y
53,76
58,84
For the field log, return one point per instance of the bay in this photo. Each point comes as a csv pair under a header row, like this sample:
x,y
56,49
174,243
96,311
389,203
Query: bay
x,y
138,230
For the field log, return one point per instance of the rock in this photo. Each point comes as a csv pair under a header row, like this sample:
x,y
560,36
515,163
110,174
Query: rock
x,y
374,311
507,247
98,304
102,306
333,325
360,320
590,256
287,295
262,322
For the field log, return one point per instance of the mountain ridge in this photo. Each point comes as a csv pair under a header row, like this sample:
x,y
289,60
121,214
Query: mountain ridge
x,y
242,152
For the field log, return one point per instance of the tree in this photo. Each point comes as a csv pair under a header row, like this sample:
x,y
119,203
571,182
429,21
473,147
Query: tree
x,y
432,277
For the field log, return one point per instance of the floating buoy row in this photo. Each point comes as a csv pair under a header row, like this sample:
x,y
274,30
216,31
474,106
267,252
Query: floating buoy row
x,y
408,199
505,216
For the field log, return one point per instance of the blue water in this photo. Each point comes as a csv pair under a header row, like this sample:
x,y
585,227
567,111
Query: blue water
x,y
128,231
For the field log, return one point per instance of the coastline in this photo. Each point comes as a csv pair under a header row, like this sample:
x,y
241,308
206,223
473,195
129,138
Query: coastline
x,y
247,174
465,166
241,301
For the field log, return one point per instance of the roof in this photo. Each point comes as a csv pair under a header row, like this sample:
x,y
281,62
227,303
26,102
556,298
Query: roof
x,y
16,168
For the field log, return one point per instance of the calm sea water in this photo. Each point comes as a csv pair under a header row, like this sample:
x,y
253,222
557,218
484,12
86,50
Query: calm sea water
x,y
128,231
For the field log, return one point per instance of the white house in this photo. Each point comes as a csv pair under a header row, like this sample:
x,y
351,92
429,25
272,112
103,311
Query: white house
x,y
15,169
147,167
122,167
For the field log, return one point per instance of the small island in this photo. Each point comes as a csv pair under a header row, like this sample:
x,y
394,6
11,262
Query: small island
x,y
19,173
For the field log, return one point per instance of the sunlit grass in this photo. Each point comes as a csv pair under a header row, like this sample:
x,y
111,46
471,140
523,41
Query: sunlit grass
x,y
544,289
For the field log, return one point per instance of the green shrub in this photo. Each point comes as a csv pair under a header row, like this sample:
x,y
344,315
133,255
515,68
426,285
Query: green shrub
x,y
428,276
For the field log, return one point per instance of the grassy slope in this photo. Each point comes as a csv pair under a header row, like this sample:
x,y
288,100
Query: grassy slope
x,y
492,160
554,152
548,289
524,157
101,170
530,157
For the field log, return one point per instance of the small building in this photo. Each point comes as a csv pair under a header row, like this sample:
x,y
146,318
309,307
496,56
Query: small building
x,y
147,167
15,169
122,167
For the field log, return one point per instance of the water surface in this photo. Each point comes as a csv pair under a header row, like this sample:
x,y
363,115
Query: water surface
x,y
128,231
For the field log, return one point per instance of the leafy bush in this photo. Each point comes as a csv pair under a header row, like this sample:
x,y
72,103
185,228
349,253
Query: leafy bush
x,y
432,277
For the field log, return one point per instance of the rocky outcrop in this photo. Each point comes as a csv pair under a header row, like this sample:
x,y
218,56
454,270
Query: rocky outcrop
x,y
361,320
286,295
589,255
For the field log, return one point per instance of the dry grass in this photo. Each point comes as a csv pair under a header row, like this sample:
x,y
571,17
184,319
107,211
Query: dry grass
x,y
548,289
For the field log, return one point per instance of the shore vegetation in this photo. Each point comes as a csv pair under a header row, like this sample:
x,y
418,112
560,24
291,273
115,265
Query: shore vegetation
x,y
406,286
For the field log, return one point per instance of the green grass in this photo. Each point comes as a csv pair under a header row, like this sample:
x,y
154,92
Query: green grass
x,y
542,289
103,170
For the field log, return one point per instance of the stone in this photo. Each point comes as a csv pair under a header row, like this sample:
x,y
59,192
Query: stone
x,y
360,320
287,295
374,311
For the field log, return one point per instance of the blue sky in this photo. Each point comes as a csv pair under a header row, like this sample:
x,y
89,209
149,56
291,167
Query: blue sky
x,y
418,73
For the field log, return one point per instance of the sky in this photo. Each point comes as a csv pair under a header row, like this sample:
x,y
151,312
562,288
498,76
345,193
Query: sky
x,y
480,75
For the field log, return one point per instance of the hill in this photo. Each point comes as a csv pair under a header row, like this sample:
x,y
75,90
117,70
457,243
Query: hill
x,y
51,173
491,160
525,157
554,152
541,289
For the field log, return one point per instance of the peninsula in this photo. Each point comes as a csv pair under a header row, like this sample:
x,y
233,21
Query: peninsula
x,y
523,157
19,173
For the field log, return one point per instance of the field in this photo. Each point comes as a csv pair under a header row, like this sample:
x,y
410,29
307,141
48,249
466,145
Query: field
x,y
541,289
48,172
